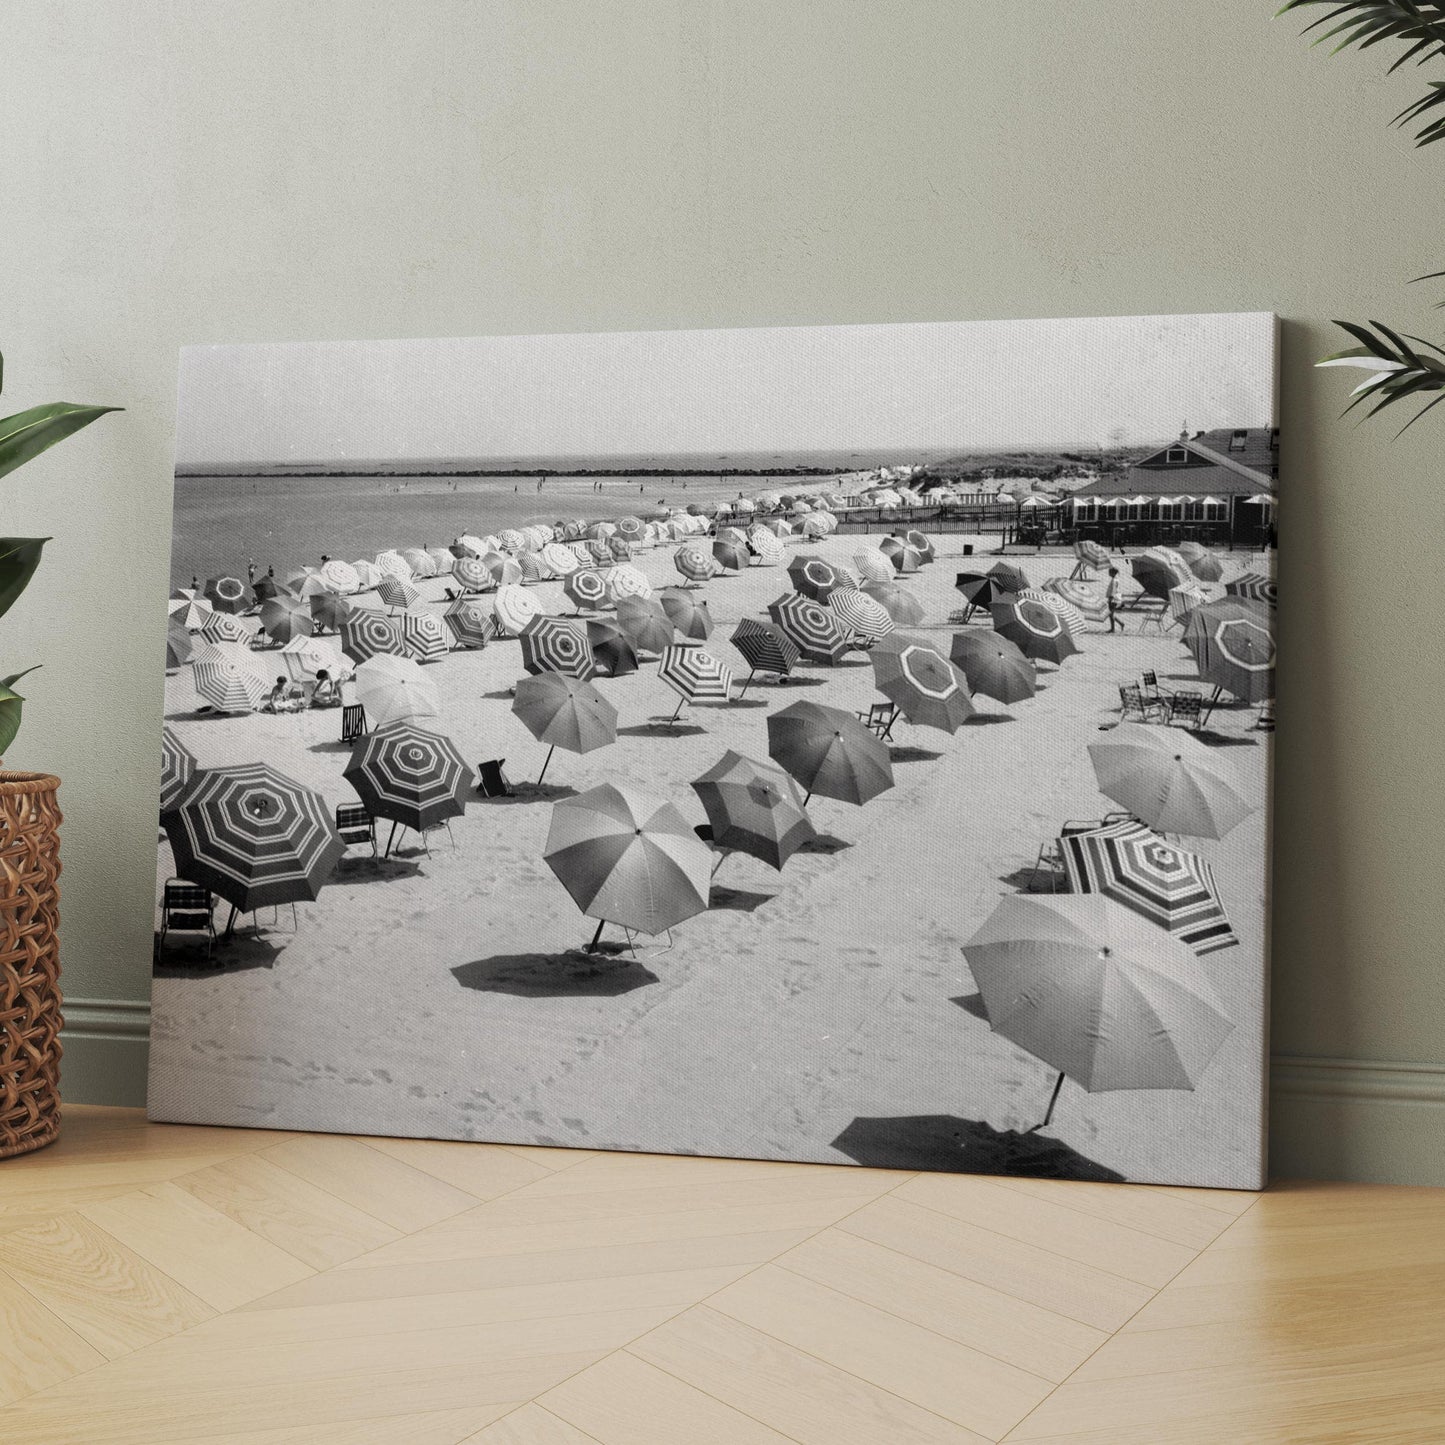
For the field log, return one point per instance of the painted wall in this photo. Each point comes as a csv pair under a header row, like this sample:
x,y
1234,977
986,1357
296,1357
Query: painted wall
x,y
250,169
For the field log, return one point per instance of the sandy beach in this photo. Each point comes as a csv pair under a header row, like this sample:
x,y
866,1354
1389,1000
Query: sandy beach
x,y
452,1007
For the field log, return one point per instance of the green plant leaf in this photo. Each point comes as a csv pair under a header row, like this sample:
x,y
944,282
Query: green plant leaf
x,y
28,433
19,557
10,706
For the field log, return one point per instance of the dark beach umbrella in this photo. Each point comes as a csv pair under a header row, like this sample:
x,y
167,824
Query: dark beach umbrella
x,y
1040,632
617,545
265,587
814,577
629,858
980,590
180,646
411,777
645,623
829,752
612,654
994,666
903,557
764,648
564,712
1254,587
921,683
813,630
178,767
1232,643
1202,562
920,544
586,588
284,617
731,556
368,633
687,612
330,610
1154,575
469,621
754,808
253,836
1009,577
557,644
226,594
898,602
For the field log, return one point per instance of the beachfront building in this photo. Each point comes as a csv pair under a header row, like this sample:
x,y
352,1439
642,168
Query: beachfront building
x,y
1216,487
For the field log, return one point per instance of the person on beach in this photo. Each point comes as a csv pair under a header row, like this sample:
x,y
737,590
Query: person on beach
x,y
328,692
279,699
1114,595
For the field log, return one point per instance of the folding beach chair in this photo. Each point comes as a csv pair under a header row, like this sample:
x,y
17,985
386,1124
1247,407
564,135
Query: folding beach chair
x,y
1264,717
1186,708
1154,617
356,825
493,781
1150,685
353,722
879,720
1133,703
187,908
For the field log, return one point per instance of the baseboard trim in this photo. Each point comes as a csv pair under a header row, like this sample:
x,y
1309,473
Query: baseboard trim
x,y
107,1018
1294,1076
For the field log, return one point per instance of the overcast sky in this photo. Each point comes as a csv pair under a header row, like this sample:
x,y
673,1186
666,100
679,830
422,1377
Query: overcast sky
x,y
830,396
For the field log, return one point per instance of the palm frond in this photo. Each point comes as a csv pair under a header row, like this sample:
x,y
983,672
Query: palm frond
x,y
1398,369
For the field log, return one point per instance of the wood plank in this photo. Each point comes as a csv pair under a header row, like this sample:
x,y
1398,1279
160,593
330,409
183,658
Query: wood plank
x,y
434,1427
795,1393
111,1297
623,1400
307,1222
531,1425
961,1384
39,1349
481,1170
1154,1211
549,1158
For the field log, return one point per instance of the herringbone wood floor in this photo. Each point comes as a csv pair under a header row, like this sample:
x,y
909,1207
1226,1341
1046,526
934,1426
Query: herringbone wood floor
x,y
165,1284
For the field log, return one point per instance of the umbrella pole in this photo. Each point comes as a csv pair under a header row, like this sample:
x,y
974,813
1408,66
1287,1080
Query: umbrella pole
x,y
721,859
1213,703
596,937
746,681
231,924
1053,1099
547,760
808,798
678,710
390,839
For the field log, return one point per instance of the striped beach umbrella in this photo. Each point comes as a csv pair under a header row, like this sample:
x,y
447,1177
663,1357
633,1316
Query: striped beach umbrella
x,y
624,581
921,683
1183,601
765,648
228,678
612,652
396,593
1173,559
1203,563
779,528
753,808
1009,576
829,752
560,558
470,622
304,657
814,576
812,628
328,609
392,564
1168,780
564,712
645,622
226,594
694,674
687,612
473,574
619,548
284,617
394,689
765,547
1080,596
504,570
630,529
191,613
1073,619
898,602
557,644
442,561
412,777
1232,643
178,767
731,556
223,627
865,617
874,567
468,544
629,858
1091,554
980,590
368,574
253,836
598,551
533,568
368,633
816,526
695,562
424,636
420,561
515,608
1169,886
1038,630
1254,587
511,540
586,588
994,666
903,557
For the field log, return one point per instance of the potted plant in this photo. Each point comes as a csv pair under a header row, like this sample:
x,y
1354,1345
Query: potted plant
x,y
29,844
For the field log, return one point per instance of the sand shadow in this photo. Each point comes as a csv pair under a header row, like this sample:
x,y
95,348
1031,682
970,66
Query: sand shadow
x,y
334,746
792,680
532,793
909,753
739,900
661,727
572,974
240,953
750,702
972,1003
944,1142
1021,878
1212,739
985,719
825,843
363,868
502,693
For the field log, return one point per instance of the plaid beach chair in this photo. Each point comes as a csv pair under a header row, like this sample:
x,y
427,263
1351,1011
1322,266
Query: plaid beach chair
x,y
187,908
1186,709
356,825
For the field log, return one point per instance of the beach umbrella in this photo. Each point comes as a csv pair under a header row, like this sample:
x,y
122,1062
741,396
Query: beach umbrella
x,y
625,581
1097,993
744,504
473,574
267,586
191,614
1040,632
767,501
813,576
1254,587
829,752
1080,596
582,551
687,612
367,633
392,564
511,540
1072,618
1203,563
533,568
921,683
994,666
178,766
1155,575
1169,886
981,589
903,557
470,622
419,560
779,528
695,562
1091,554
612,653
764,648
734,535
182,594
442,561
629,858
468,545
1174,560
1232,643
180,646
863,616
412,777
223,627
514,608
394,689
1183,600
330,610
586,588
504,570
564,712
557,644
694,674
253,836
920,544
600,531
765,547
561,559
368,574
396,593
630,529
286,617
226,594
424,636
598,551
619,548
816,526
898,602
1168,780
304,657
645,623
874,567
813,629
228,678
753,808
1008,576
731,556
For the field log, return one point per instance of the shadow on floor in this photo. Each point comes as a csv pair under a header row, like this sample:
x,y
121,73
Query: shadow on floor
x,y
737,899
573,974
972,1003
241,953
661,727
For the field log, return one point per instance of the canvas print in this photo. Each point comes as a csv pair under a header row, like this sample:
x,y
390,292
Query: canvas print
x,y
829,744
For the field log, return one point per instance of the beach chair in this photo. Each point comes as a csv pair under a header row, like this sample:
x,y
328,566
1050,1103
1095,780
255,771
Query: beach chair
x,y
1155,617
878,719
353,722
1264,717
492,781
187,908
355,825
1186,709
1134,703
1049,863
1149,683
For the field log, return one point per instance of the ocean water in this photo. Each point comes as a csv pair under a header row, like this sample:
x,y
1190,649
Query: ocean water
x,y
223,523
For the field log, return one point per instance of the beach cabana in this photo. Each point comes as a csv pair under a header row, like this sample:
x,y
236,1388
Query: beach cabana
x,y
394,689
694,674
410,777
812,628
921,683
557,644
753,808
564,712
829,752
994,666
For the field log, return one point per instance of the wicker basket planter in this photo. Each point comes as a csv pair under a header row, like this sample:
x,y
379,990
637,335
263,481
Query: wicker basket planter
x,y
29,962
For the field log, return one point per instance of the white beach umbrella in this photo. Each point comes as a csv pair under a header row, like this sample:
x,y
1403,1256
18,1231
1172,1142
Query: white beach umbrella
x,y
515,607
393,689
339,576
420,561
392,564
368,574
